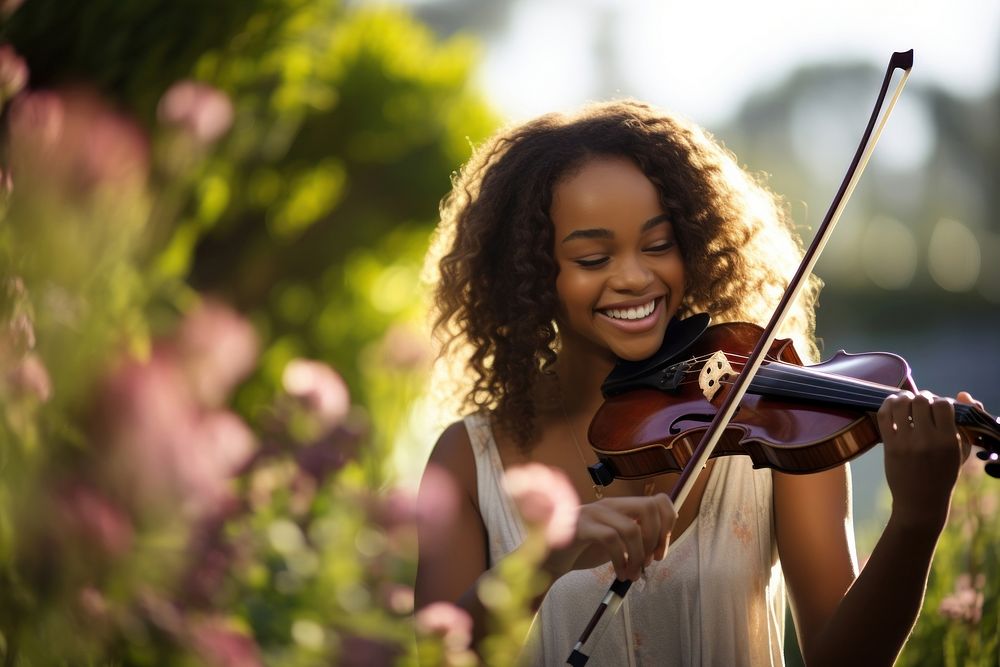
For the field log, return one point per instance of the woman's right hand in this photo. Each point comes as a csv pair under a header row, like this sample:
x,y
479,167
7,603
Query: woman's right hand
x,y
630,532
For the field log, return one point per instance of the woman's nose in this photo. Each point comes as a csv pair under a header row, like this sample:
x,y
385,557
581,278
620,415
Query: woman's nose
x,y
632,276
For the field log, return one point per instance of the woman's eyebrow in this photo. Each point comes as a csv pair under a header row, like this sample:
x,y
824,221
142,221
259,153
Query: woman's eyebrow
x,y
601,233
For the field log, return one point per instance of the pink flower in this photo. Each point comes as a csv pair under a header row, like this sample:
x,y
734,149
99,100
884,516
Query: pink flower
x,y
220,645
403,349
546,499
8,7
319,390
226,440
165,451
37,121
13,73
30,378
91,520
966,603
217,349
398,598
201,110
92,603
445,620
72,143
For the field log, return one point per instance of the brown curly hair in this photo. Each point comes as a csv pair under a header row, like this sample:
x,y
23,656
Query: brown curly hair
x,y
495,295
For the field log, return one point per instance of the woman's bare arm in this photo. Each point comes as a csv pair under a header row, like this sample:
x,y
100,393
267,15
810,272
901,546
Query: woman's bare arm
x,y
834,607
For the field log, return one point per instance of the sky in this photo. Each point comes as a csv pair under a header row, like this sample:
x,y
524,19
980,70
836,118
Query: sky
x,y
702,59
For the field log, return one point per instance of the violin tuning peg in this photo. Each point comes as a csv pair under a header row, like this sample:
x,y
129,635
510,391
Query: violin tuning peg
x,y
983,455
993,470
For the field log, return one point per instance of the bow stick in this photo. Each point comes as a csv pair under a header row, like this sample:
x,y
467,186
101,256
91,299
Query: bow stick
x,y
615,596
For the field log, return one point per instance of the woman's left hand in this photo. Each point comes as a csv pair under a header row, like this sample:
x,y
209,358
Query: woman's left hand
x,y
923,454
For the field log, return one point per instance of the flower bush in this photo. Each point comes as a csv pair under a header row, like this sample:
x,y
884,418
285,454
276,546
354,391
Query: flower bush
x,y
186,478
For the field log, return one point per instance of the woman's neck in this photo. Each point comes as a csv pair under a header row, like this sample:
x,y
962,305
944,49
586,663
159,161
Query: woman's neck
x,y
580,375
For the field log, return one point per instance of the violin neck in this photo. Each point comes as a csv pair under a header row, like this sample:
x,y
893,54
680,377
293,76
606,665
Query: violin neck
x,y
780,380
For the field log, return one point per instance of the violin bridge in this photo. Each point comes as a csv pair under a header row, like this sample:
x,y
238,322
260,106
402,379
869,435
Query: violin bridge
x,y
715,371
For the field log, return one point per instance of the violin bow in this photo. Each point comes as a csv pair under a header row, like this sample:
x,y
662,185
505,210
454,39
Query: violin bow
x,y
615,596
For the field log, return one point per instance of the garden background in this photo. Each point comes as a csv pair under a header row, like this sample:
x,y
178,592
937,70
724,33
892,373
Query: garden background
x,y
214,358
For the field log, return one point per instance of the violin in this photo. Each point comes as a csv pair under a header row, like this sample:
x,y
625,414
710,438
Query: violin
x,y
793,418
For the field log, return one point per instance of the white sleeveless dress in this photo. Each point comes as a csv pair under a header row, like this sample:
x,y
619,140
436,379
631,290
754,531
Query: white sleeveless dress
x,y
716,599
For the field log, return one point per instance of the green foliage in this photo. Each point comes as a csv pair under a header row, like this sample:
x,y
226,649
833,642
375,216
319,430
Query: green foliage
x,y
131,51
120,530
346,130
959,624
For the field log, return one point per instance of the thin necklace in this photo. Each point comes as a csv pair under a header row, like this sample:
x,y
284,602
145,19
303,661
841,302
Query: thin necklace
x,y
576,443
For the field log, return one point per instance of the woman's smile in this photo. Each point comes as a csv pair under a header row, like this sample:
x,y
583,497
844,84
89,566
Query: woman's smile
x,y
633,319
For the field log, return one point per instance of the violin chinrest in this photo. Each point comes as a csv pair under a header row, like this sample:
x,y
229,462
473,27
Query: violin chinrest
x,y
680,335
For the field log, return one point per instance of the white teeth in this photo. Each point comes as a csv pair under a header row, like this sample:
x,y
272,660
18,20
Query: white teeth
x,y
636,313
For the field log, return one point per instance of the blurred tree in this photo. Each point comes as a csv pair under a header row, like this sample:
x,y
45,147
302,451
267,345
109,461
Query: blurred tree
x,y
131,51
313,213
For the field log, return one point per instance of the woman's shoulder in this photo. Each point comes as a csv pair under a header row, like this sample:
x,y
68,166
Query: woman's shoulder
x,y
453,455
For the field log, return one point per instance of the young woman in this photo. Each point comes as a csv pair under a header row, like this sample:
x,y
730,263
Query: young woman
x,y
569,243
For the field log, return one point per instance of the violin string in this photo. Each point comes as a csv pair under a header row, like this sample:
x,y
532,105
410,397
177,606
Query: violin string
x,y
793,378
851,386
823,380
781,376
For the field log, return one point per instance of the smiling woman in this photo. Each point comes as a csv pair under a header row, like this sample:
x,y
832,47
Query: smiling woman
x,y
569,243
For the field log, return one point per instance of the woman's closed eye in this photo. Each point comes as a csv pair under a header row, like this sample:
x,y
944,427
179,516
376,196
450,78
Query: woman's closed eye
x,y
662,246
597,261
591,262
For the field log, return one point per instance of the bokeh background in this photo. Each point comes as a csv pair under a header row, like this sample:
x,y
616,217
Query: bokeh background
x,y
214,359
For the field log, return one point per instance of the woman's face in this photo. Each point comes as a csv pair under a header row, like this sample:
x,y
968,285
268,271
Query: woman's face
x,y
621,275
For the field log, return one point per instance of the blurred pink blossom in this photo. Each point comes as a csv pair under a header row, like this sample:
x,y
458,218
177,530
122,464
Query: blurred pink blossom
x,y
8,7
402,348
319,390
217,348
546,499
219,644
966,602
13,73
226,440
166,450
203,111
161,613
29,377
445,620
37,120
149,416
398,598
19,337
91,520
72,143
92,603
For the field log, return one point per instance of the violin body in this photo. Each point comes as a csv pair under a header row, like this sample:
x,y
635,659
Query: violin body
x,y
793,419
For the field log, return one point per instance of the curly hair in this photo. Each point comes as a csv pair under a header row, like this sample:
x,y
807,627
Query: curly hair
x,y
495,295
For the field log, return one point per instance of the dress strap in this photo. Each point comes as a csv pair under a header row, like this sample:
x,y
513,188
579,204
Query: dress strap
x,y
503,523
